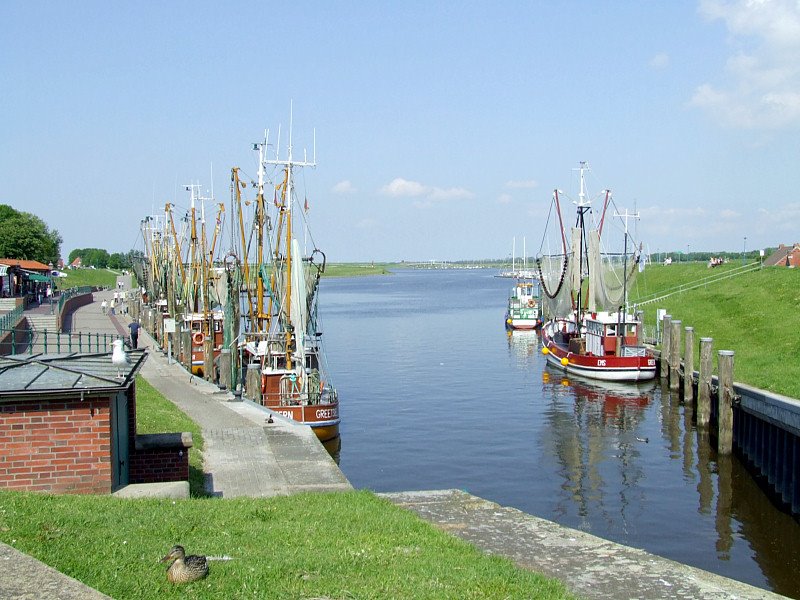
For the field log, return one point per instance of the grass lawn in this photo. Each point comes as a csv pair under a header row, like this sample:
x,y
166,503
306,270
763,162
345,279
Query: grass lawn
x,y
87,277
354,269
335,545
755,314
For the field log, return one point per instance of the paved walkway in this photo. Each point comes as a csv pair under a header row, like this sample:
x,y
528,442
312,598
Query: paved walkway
x,y
244,454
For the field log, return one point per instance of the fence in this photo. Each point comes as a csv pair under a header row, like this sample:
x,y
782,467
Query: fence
x,y
44,342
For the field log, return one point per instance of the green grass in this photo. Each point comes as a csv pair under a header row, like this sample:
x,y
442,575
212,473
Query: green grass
x,y
88,277
354,269
336,545
755,314
156,414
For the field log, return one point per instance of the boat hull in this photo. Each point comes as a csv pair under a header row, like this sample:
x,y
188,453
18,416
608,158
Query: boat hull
x,y
322,418
603,368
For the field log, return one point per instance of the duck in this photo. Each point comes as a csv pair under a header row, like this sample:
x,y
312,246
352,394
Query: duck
x,y
184,569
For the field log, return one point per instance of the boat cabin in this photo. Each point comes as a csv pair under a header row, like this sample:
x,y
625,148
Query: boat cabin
x,y
606,331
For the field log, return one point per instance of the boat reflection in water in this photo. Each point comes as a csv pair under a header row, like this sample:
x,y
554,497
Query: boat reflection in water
x,y
604,438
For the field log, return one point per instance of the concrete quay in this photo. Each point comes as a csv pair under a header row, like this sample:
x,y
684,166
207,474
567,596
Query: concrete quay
x,y
589,566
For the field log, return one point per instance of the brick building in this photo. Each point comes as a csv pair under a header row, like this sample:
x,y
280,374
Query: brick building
x,y
68,425
784,256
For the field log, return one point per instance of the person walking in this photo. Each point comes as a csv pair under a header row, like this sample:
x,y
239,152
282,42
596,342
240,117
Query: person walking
x,y
134,327
104,306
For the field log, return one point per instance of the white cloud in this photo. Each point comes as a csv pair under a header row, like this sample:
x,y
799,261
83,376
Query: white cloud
x,y
522,185
400,188
504,199
660,61
761,85
344,187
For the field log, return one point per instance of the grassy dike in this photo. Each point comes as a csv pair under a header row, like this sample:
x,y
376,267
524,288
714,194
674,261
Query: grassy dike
x,y
755,314
337,545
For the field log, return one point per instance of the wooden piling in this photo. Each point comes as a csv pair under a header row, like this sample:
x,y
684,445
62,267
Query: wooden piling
x,y
725,407
208,358
675,355
688,365
253,383
225,369
186,347
665,346
704,383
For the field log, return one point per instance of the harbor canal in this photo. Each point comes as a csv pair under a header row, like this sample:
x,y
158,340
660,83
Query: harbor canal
x,y
435,394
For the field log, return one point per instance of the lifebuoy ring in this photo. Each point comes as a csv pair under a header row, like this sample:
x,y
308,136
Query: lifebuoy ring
x,y
531,303
197,338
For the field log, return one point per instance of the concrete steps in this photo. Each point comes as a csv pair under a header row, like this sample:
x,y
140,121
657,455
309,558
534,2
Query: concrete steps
x,y
41,323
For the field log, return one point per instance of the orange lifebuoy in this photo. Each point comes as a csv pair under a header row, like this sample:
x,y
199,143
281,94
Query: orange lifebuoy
x,y
531,303
197,338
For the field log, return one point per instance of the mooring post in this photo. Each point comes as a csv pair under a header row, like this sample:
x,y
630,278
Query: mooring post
x,y
208,357
253,383
225,369
675,355
186,346
665,346
688,365
704,382
725,406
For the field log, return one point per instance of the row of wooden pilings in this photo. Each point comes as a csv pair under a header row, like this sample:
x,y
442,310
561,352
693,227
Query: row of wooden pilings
x,y
769,445
677,367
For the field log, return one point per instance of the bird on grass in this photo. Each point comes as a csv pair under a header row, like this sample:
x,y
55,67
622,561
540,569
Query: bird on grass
x,y
119,358
184,569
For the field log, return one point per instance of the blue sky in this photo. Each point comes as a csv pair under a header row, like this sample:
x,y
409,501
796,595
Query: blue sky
x,y
441,127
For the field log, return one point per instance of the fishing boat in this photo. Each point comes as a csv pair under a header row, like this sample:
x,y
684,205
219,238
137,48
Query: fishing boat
x,y
590,331
523,305
282,336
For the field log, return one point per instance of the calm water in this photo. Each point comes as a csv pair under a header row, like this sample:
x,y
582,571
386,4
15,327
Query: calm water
x,y
435,394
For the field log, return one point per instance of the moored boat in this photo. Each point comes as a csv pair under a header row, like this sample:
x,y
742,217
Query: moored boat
x,y
523,306
590,332
282,337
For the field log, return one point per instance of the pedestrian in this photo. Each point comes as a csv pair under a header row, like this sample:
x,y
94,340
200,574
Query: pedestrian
x,y
113,305
104,306
134,327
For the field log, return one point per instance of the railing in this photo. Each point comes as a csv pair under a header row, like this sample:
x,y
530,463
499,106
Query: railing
x,y
727,274
58,343
10,319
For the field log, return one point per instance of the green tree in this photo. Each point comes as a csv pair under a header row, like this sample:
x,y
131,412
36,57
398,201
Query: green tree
x,y
25,236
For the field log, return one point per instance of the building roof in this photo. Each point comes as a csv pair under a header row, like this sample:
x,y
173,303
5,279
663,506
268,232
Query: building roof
x,y
30,265
778,257
56,374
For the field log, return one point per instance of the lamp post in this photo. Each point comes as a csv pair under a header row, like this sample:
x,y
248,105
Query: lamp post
x,y
744,251
687,252
50,285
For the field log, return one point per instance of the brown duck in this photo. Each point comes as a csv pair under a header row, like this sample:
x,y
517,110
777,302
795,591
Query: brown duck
x,y
184,569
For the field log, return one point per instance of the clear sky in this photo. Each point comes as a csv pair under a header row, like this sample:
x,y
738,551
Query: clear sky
x,y
441,127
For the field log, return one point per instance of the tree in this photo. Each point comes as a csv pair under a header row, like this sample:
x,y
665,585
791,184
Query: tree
x,y
25,236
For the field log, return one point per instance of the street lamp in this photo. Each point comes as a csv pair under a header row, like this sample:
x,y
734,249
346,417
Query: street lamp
x,y
744,251
50,289
687,252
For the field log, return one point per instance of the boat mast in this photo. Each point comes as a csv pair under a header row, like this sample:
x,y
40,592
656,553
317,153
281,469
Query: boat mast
x,y
288,165
584,206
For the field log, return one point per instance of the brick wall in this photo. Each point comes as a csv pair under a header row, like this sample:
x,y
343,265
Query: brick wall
x,y
56,446
151,466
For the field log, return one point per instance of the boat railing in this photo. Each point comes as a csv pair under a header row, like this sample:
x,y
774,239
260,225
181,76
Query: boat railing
x,y
634,351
